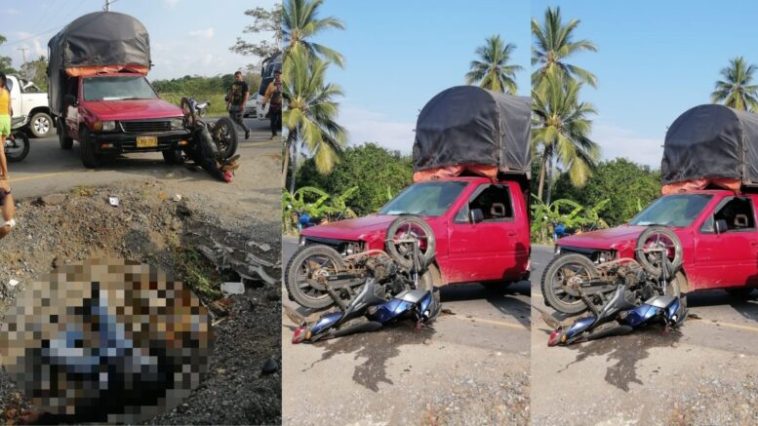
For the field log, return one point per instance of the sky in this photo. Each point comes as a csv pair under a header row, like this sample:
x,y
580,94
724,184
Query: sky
x,y
399,54
187,37
655,60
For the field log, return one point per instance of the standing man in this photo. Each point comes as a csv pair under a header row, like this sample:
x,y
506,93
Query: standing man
x,y
236,100
6,199
274,95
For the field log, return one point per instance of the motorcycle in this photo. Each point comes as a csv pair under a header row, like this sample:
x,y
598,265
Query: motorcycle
x,y
202,108
599,275
373,307
630,306
17,144
316,271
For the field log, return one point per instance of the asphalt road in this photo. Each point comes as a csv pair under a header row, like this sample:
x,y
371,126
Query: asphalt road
x,y
703,374
469,367
49,169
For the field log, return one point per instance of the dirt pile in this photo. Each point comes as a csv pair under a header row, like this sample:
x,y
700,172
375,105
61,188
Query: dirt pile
x,y
144,222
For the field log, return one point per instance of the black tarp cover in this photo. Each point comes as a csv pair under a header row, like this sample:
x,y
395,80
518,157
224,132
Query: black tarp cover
x,y
471,125
95,39
711,141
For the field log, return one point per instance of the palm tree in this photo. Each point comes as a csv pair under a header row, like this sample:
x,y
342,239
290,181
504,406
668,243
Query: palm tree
x,y
300,22
560,129
735,91
553,44
492,71
311,110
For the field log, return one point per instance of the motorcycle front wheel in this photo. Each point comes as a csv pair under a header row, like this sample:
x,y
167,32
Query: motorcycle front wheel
x,y
306,270
225,136
559,274
16,150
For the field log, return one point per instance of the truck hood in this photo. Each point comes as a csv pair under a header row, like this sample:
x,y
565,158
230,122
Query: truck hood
x,y
138,109
351,229
605,239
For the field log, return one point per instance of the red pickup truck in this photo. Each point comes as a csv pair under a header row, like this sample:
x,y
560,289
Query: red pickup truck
x,y
717,229
481,229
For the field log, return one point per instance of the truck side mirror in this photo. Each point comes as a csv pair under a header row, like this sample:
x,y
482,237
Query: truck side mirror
x,y
721,226
475,216
69,100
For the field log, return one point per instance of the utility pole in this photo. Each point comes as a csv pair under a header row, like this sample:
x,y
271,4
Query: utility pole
x,y
108,3
23,54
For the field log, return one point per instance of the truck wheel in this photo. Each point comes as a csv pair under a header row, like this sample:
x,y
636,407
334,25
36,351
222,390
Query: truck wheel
x,y
560,269
41,125
305,268
90,159
740,293
173,156
63,140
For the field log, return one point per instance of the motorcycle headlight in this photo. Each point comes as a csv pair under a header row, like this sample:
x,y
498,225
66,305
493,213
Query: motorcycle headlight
x,y
177,123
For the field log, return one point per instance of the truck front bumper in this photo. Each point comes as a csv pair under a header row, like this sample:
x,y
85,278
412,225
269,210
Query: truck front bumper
x,y
127,142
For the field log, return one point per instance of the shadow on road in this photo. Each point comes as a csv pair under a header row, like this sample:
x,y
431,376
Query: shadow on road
x,y
624,352
501,296
745,304
376,348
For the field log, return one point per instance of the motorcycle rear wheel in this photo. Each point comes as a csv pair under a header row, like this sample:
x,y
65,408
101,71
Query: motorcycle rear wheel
x,y
403,229
656,237
18,149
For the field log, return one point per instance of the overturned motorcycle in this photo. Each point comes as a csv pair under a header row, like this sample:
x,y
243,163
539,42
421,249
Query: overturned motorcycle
x,y
214,146
643,293
378,303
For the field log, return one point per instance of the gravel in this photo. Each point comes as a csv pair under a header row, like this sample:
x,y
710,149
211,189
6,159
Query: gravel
x,y
149,226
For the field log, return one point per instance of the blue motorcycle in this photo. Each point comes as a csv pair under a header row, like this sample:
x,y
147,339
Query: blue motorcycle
x,y
373,307
626,310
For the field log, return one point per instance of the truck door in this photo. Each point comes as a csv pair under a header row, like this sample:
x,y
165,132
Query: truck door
x,y
484,251
729,258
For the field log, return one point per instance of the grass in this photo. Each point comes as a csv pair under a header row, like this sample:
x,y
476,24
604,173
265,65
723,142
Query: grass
x,y
217,107
83,191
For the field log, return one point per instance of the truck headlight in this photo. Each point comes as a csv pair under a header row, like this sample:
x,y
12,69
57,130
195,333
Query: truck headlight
x,y
104,126
301,242
557,250
177,123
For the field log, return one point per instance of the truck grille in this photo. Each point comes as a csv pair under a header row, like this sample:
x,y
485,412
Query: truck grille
x,y
145,126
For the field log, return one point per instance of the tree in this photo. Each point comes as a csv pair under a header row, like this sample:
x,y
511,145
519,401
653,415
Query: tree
x,y
491,71
310,113
561,130
6,66
553,44
735,90
300,23
629,187
36,71
263,21
378,173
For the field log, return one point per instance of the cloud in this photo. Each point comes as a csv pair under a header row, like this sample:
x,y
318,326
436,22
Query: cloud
x,y
619,142
367,126
206,33
170,3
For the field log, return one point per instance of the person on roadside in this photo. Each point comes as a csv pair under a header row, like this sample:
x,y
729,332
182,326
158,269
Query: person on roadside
x,y
274,96
236,100
6,200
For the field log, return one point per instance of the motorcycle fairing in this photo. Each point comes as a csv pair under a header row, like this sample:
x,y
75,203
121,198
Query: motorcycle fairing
x,y
391,310
325,322
580,326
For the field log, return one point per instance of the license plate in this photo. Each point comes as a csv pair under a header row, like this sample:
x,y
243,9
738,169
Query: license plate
x,y
147,141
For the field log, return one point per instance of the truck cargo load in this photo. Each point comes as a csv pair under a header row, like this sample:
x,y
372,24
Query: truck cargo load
x,y
467,129
99,42
711,145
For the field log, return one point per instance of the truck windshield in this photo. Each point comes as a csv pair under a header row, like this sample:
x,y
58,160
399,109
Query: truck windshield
x,y
427,199
673,210
117,88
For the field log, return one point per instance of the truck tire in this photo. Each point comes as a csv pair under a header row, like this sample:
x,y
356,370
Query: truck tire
x,y
300,267
90,159
63,140
41,125
173,156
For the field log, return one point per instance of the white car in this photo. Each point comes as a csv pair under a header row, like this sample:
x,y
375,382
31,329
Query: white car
x,y
250,108
30,102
